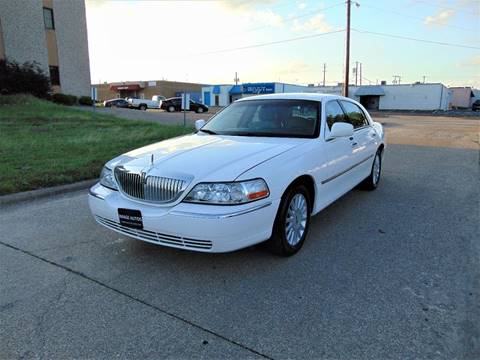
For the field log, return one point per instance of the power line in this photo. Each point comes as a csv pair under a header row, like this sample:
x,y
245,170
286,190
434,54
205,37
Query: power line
x,y
416,39
270,43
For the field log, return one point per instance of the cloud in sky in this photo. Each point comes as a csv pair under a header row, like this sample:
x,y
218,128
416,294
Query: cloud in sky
x,y
315,23
441,18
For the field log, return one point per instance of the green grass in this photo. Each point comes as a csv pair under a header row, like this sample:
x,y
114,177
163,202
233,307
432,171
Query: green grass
x,y
44,144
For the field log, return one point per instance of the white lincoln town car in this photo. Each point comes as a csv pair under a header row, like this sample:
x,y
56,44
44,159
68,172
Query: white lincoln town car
x,y
257,171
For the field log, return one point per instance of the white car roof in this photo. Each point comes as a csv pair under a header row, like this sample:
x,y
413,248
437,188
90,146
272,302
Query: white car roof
x,y
294,96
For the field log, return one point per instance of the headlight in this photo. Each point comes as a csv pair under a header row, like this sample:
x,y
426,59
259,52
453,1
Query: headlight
x,y
231,193
107,179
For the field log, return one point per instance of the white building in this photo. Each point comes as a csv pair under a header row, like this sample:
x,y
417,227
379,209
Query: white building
x,y
425,97
223,95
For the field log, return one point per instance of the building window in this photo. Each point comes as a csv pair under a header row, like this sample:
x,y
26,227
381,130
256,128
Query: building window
x,y
54,75
48,18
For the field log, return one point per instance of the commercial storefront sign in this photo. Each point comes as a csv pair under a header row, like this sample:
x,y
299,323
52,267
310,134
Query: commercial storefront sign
x,y
259,88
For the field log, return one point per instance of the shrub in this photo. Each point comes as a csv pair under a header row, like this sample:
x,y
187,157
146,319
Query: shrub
x,y
19,99
64,99
85,100
27,78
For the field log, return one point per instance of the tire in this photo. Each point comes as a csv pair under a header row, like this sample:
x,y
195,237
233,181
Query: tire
x,y
142,107
199,110
372,181
292,218
171,108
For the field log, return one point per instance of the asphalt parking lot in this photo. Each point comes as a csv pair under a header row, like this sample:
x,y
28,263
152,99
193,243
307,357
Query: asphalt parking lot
x,y
389,274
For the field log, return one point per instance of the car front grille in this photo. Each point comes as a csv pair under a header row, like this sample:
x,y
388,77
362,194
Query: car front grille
x,y
149,188
154,237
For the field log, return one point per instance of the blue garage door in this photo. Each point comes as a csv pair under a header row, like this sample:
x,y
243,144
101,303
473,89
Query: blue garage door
x,y
206,98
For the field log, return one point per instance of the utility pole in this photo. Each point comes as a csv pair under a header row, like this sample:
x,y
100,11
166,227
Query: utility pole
x,y
397,79
360,74
347,50
236,79
356,73
324,71
424,77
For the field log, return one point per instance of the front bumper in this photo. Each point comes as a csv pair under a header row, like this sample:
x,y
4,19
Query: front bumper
x,y
207,228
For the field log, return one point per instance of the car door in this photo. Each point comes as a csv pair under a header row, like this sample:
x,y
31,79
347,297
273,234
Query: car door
x,y
364,140
336,179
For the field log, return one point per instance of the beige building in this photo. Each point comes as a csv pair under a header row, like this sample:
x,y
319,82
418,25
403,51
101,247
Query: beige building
x,y
146,89
52,33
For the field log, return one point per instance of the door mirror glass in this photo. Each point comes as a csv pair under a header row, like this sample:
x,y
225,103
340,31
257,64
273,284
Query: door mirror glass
x,y
341,129
199,124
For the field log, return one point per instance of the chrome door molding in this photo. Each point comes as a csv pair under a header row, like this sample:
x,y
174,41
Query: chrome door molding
x,y
346,170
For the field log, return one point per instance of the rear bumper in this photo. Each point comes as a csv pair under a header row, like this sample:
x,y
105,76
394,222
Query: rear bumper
x,y
196,227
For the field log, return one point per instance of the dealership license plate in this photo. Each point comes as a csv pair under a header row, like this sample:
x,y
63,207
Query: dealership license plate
x,y
130,218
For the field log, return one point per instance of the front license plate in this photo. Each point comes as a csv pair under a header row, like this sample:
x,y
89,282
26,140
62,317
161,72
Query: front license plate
x,y
130,218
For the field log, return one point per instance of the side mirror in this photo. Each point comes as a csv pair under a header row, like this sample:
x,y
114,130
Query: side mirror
x,y
341,129
199,124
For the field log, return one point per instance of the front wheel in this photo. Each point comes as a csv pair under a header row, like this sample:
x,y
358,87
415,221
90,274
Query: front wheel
x,y
200,110
171,108
371,182
292,222
143,107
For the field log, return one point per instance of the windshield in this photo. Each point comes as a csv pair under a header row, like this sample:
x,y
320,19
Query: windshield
x,y
282,118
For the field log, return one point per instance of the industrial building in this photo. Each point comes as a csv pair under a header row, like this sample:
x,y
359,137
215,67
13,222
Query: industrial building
x,y
146,89
52,33
223,95
419,96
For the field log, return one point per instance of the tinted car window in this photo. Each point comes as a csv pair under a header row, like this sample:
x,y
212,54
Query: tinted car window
x,y
334,113
355,114
282,118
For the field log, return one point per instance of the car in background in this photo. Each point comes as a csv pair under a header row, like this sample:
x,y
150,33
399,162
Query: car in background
x,y
121,103
144,104
175,104
476,106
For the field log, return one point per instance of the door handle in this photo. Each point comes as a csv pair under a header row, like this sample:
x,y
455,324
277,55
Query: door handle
x,y
350,138
354,144
374,134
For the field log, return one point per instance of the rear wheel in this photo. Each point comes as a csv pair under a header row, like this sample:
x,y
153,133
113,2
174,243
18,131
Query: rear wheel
x,y
171,108
371,182
143,107
292,222
199,110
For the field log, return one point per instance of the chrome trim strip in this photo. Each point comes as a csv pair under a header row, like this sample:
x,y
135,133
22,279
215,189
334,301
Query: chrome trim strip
x,y
94,194
345,171
219,216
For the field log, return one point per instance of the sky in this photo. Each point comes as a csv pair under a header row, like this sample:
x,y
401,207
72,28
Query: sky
x,y
283,40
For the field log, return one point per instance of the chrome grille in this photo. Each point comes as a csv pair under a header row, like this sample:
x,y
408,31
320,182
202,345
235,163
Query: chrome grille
x,y
151,236
149,188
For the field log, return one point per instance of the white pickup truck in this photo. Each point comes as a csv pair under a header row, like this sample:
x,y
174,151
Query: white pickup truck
x,y
144,104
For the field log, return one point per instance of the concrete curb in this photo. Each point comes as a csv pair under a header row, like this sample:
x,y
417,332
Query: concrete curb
x,y
45,192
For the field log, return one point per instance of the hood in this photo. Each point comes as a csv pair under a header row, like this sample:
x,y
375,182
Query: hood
x,y
205,157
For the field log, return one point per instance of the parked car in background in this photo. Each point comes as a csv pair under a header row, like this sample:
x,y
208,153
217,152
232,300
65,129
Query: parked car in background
x,y
121,103
144,104
256,171
158,98
175,104
476,106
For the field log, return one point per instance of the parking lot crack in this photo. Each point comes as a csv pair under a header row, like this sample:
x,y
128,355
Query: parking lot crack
x,y
138,300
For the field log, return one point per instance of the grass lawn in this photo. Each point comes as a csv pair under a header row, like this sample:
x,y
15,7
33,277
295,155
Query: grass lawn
x,y
44,144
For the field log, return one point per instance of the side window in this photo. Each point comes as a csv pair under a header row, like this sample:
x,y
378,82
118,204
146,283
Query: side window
x,y
355,115
334,113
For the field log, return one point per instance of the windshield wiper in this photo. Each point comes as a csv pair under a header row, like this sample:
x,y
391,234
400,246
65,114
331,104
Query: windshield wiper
x,y
208,131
